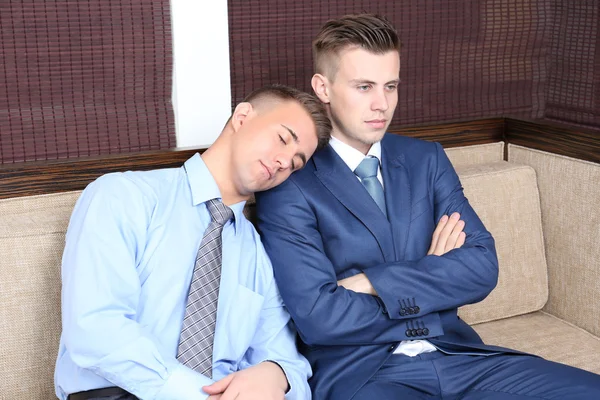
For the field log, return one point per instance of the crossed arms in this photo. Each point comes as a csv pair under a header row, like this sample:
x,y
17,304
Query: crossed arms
x,y
448,235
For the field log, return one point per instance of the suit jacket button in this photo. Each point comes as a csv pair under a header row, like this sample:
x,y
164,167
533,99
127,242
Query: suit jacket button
x,y
414,332
408,333
403,312
392,348
416,309
425,332
420,332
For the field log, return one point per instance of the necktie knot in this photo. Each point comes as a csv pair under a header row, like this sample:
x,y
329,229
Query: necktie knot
x,y
219,212
367,168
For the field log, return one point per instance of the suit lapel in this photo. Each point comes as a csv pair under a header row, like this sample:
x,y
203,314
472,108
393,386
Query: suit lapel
x,y
343,184
397,196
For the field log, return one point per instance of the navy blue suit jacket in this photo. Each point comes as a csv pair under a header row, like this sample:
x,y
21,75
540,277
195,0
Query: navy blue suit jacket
x,y
321,225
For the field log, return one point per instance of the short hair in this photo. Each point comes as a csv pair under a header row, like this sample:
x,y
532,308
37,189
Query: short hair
x,y
313,106
370,32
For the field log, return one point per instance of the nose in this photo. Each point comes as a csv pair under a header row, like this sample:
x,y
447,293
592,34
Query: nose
x,y
380,101
284,160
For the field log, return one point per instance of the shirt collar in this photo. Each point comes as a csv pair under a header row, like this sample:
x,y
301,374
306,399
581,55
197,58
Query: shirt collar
x,y
204,187
351,156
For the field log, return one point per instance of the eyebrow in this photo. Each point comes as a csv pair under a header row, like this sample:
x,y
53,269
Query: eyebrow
x,y
373,83
295,137
291,133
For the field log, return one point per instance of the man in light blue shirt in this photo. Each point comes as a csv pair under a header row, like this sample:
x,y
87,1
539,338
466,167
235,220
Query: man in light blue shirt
x,y
130,252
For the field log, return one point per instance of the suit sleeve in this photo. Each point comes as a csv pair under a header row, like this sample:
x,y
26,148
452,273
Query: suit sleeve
x,y
435,283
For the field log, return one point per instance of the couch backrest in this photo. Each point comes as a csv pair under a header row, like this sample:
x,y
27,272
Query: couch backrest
x,y
570,189
476,154
32,234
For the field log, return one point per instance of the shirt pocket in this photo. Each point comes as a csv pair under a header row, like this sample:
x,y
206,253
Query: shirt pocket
x,y
243,318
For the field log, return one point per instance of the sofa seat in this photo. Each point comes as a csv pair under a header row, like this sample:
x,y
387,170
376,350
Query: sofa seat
x,y
547,336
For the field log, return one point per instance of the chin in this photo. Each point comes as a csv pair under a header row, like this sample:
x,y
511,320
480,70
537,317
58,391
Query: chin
x,y
373,137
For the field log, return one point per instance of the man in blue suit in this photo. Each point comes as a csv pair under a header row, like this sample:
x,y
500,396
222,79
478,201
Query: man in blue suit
x,y
373,297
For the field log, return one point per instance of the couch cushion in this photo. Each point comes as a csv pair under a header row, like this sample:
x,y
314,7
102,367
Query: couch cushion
x,y
506,198
545,335
32,231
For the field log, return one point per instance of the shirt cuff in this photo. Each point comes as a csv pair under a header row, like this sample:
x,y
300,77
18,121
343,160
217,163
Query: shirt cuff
x,y
184,384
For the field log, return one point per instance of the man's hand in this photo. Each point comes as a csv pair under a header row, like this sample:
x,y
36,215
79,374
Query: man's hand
x,y
265,381
448,235
358,283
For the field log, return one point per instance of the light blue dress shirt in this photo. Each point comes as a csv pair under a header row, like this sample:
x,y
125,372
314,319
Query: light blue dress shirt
x,y
127,265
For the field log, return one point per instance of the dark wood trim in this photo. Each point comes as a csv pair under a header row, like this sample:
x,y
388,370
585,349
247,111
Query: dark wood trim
x,y
555,138
32,178
456,134
26,179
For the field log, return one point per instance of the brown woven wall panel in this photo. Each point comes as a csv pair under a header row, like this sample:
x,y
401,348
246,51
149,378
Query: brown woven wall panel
x,y
82,78
460,59
573,91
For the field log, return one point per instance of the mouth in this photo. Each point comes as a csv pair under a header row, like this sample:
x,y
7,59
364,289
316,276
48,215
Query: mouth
x,y
267,170
377,123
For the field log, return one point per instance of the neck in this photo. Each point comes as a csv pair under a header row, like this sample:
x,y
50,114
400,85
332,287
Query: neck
x,y
356,144
218,161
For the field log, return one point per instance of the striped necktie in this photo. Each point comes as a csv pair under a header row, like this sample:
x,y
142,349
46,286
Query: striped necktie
x,y
198,330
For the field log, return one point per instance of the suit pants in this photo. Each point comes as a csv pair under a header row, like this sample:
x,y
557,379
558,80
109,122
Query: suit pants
x,y
503,376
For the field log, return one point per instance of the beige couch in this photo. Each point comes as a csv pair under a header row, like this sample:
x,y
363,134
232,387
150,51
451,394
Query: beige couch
x,y
539,207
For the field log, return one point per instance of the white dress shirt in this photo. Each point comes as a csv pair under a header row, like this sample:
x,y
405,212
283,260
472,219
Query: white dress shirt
x,y
352,158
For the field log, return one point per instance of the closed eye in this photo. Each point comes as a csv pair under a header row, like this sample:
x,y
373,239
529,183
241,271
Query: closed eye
x,y
281,139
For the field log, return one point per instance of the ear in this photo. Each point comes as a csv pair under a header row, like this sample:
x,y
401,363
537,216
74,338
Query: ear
x,y
320,85
242,112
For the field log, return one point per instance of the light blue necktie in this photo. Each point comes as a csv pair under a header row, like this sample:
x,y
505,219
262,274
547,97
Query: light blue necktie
x,y
367,172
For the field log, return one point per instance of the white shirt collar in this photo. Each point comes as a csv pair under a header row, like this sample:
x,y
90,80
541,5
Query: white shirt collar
x,y
351,156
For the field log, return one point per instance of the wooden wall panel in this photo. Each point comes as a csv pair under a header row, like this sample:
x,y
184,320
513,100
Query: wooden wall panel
x,y
568,141
26,179
459,133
